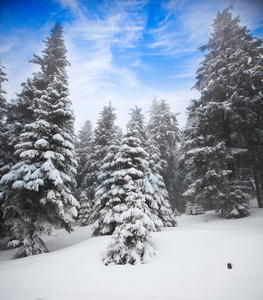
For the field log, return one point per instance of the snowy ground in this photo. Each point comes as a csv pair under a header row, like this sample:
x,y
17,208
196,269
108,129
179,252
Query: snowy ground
x,y
190,264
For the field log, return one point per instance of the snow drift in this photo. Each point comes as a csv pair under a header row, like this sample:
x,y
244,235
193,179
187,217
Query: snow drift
x,y
190,264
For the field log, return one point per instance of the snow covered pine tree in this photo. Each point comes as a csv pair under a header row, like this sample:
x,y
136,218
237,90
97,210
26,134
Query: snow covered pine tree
x,y
83,149
38,188
227,120
152,184
163,129
134,207
105,133
127,208
3,106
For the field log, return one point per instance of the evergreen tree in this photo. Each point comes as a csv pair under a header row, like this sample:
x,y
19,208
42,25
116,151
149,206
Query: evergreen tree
x,y
130,240
3,107
19,113
137,124
85,209
154,187
227,116
128,214
38,188
3,104
3,112
194,208
103,210
163,129
105,132
150,183
126,167
83,149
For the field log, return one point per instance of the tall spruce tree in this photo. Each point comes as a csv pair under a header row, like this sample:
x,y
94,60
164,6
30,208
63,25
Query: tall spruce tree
x,y
38,188
3,109
3,113
104,133
83,149
18,113
154,187
125,165
163,129
228,115
103,212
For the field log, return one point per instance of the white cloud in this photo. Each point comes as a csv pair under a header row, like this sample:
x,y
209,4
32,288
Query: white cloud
x,y
6,47
101,62
115,57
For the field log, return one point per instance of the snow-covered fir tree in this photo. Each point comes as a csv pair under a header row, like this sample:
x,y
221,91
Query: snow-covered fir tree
x,y
127,166
3,108
104,133
137,124
150,184
38,188
85,209
163,129
129,213
3,78
103,210
193,208
153,186
83,149
157,197
3,112
225,121
130,241
19,112
209,175
155,189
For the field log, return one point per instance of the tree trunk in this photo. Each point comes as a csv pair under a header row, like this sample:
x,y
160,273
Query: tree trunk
x,y
258,189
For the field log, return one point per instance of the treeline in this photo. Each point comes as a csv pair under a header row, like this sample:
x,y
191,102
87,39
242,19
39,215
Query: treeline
x,y
130,184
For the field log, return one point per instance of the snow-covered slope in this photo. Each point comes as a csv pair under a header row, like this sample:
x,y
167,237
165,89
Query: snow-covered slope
x,y
190,264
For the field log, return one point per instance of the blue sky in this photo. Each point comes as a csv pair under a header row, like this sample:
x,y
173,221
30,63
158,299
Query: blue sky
x,y
123,51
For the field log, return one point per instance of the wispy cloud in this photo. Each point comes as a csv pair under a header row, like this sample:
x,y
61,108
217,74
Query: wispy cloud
x,y
103,53
186,25
125,51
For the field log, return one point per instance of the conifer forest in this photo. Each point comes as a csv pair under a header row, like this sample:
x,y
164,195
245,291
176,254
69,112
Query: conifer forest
x,y
130,182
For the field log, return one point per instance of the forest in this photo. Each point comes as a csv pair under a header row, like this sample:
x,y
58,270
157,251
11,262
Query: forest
x,y
133,181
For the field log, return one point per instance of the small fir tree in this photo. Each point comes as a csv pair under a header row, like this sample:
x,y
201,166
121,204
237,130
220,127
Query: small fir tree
x,y
194,208
129,243
85,209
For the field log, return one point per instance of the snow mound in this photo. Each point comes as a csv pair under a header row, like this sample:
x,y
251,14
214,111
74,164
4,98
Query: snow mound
x,y
190,264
